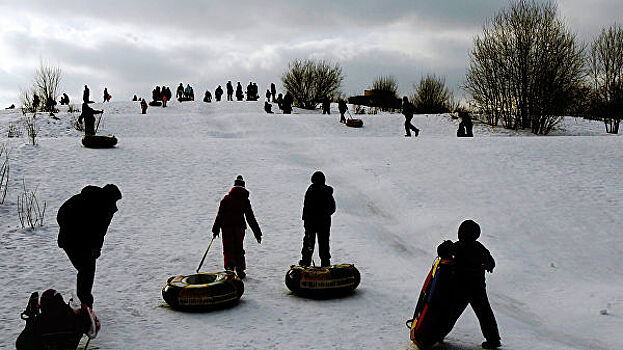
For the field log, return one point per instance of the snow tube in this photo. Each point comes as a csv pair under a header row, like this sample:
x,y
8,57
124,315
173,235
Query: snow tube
x,y
184,99
155,103
203,290
99,141
432,311
354,123
334,280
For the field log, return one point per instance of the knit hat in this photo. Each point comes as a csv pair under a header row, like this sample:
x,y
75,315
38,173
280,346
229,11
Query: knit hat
x,y
469,230
239,181
113,191
318,178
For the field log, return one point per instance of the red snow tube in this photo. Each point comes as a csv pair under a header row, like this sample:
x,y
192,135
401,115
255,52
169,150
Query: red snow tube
x,y
354,123
323,282
203,291
99,141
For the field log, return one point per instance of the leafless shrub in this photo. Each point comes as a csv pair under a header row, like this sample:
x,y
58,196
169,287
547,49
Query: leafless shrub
x,y
359,109
31,129
27,100
373,110
387,84
431,95
72,109
309,81
30,213
525,67
76,124
47,81
4,172
606,71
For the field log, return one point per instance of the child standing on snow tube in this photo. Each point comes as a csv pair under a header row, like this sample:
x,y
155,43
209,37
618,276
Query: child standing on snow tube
x,y
318,207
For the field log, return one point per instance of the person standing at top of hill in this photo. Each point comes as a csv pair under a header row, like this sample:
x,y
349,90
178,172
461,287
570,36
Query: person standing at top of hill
x,y
318,207
86,94
232,211
230,91
342,107
239,93
407,110
286,105
106,95
471,260
326,105
273,90
267,95
143,106
88,114
180,91
218,93
83,221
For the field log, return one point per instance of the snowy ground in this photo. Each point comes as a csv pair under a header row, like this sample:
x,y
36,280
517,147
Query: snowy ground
x,y
550,209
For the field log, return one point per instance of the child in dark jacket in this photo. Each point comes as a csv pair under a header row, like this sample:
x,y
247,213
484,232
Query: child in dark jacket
x,y
318,207
471,260
232,211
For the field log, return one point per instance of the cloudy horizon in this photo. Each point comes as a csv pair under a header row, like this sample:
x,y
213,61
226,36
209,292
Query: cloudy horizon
x,y
132,47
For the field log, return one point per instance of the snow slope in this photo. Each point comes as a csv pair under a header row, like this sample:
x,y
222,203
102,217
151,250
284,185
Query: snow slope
x,y
549,207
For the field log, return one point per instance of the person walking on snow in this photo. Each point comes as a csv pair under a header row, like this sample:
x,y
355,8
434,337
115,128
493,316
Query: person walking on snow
x,y
342,107
471,260
407,110
106,95
232,211
318,207
83,221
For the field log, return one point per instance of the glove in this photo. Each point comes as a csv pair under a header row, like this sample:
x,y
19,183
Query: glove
x,y
214,234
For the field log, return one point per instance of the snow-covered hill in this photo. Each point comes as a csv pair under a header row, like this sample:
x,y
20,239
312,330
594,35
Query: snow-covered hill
x,y
549,207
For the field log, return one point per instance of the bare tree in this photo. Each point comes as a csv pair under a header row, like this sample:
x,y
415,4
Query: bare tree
x,y
525,68
432,95
4,172
309,81
47,81
30,213
606,72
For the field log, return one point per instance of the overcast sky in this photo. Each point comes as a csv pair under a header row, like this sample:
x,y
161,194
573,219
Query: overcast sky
x,y
131,46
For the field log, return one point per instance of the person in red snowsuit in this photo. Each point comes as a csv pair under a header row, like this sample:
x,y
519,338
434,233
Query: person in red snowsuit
x,y
232,211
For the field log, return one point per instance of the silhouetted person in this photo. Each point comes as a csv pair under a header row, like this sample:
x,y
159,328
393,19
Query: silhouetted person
x,y
267,95
287,103
134,98
326,105
83,221
239,93
280,101
342,107
86,94
12,106
35,101
465,125
471,260
232,211
143,106
156,94
208,97
167,93
218,93
106,95
230,91
64,99
407,110
180,91
88,114
273,90
268,108
318,207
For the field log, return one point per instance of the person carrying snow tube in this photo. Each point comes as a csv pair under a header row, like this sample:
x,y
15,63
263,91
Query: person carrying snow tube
x,y
53,324
471,260
232,211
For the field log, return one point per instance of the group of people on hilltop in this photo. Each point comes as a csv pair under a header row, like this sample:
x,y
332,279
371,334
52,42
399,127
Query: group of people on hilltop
x,y
185,94
162,95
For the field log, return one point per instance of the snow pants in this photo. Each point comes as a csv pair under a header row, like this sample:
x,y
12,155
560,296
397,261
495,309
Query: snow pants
x,y
474,294
233,250
322,230
89,126
84,262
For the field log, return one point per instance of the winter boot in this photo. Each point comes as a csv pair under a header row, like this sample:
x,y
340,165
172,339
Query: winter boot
x,y
304,263
240,273
494,344
325,263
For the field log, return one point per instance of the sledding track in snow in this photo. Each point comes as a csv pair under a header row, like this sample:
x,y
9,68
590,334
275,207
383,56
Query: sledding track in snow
x,y
549,208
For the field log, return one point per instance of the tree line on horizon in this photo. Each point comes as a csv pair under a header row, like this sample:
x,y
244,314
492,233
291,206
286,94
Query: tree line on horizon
x,y
526,70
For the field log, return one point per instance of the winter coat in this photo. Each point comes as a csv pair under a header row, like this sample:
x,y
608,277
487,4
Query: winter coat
x,y
471,259
233,209
408,109
342,107
319,204
87,113
84,219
